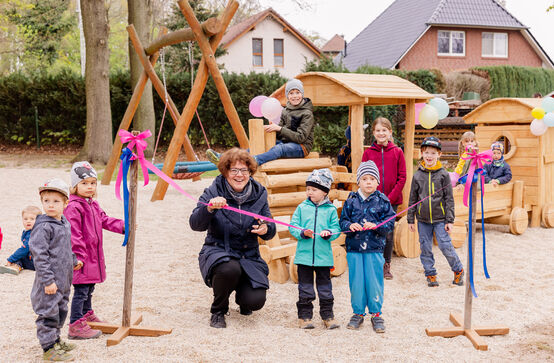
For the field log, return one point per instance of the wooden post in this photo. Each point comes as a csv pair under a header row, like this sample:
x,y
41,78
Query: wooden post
x,y
517,194
357,132
209,58
270,139
471,234
192,103
256,132
409,134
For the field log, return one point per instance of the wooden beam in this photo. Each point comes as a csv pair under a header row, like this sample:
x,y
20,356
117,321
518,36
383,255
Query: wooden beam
x,y
468,302
409,132
192,103
210,27
209,58
475,339
357,133
256,135
445,332
121,333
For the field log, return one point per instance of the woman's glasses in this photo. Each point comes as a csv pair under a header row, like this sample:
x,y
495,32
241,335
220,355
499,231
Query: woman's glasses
x,y
234,171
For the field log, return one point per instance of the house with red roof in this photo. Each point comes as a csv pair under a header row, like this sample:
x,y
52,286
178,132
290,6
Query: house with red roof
x,y
334,46
448,35
266,42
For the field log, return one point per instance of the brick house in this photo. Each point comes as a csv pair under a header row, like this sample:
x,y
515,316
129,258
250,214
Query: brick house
x,y
266,42
448,35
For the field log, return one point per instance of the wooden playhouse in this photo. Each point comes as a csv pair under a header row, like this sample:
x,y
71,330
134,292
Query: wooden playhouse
x,y
530,157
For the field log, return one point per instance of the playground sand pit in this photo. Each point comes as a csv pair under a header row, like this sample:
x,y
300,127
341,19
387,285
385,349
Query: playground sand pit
x,y
169,292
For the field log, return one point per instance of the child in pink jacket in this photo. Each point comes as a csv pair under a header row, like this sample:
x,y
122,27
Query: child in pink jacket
x,y
87,220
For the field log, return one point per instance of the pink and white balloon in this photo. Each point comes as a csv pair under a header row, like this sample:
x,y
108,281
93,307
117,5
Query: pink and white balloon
x,y
255,106
271,108
538,127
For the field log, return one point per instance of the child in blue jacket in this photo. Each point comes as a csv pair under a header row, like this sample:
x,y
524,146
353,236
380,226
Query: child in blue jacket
x,y
21,258
361,213
498,172
318,218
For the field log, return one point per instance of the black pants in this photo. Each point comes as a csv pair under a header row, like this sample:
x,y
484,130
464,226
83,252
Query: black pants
x,y
306,293
82,301
228,277
26,263
387,254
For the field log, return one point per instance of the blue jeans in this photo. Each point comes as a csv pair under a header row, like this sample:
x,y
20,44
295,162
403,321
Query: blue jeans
x,y
26,263
279,151
445,245
365,277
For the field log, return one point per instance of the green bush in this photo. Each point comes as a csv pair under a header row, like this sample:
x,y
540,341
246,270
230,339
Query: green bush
x,y
510,81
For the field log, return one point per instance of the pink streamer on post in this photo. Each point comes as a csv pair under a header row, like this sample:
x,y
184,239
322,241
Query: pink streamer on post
x,y
140,144
477,161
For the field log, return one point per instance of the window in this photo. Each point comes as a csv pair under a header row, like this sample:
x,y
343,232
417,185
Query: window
x,y
257,52
278,52
494,45
451,43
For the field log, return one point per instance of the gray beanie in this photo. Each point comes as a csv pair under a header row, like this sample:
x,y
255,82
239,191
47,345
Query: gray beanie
x,y
320,179
80,171
294,84
367,167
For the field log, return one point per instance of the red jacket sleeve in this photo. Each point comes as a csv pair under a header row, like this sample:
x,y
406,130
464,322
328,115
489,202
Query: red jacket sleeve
x,y
396,192
75,217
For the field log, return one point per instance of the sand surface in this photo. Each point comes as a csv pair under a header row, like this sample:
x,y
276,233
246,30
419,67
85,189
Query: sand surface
x,y
169,292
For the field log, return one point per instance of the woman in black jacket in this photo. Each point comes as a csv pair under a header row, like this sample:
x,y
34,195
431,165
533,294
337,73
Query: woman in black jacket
x,y
230,258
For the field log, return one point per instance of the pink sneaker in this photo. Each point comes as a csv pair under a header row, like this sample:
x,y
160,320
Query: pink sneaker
x,y
91,316
81,330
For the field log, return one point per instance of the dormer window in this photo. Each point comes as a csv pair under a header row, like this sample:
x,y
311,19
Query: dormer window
x,y
451,43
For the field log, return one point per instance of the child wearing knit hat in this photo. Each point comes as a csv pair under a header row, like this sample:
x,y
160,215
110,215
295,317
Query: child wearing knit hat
x,y
498,172
363,213
318,218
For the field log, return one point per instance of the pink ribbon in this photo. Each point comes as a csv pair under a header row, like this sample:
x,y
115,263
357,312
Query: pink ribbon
x,y
140,145
477,161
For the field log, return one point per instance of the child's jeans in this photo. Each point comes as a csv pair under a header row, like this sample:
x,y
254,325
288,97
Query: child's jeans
x,y
365,275
445,245
82,301
279,151
306,293
26,263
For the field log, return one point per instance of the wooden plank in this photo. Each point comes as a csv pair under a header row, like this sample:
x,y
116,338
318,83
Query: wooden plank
x,y
256,136
409,131
270,140
295,198
445,332
456,319
105,328
285,180
293,165
148,332
492,330
475,339
118,336
282,211
357,134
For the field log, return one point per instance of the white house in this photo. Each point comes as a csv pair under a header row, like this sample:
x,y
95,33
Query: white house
x,y
266,42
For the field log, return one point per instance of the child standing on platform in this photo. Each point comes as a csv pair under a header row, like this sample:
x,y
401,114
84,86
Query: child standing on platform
x,y
361,213
498,172
467,142
318,216
50,244
391,164
87,221
436,214
22,259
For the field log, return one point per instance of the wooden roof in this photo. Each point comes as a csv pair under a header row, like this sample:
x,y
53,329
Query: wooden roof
x,y
504,110
341,89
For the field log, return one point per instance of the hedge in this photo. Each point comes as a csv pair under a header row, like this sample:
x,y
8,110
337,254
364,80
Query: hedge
x,y
510,81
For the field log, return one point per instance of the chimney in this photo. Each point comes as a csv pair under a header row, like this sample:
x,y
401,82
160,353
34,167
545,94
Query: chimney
x,y
502,3
344,51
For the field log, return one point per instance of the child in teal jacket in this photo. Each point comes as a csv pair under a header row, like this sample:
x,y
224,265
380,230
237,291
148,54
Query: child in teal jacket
x,y
318,218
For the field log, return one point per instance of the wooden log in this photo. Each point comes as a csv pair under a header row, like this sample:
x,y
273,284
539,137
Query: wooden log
x,y
517,194
312,155
210,27
295,198
209,58
357,132
445,332
293,270
459,233
475,339
286,180
148,332
339,261
409,132
120,334
407,243
256,135
278,271
536,216
282,211
193,100
468,302
127,118
293,165
519,220
548,215
269,140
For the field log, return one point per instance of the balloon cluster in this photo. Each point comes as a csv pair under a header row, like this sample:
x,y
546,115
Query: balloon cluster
x,y
428,115
268,107
543,117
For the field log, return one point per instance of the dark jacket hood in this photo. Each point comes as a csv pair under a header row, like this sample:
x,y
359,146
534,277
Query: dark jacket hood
x,y
306,104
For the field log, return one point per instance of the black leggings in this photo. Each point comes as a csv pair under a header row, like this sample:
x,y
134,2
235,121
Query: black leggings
x,y
387,254
228,277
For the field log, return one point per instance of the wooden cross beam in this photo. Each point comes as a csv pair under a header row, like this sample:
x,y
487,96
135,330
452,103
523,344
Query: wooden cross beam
x,y
192,103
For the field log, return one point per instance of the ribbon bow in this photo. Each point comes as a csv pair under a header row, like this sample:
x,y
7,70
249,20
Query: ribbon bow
x,y
475,173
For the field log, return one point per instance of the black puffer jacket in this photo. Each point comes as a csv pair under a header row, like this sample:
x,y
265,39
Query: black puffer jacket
x,y
229,233
438,208
298,124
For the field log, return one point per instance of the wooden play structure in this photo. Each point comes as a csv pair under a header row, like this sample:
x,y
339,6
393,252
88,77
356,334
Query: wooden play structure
x,y
285,179
208,36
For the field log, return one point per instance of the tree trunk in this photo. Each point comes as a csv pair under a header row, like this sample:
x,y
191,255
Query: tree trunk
x,y
98,137
140,15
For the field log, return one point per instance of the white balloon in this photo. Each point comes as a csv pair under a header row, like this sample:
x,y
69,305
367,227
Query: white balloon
x,y
538,127
442,107
271,108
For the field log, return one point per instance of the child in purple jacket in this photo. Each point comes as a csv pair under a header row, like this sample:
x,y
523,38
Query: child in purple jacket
x,y
87,220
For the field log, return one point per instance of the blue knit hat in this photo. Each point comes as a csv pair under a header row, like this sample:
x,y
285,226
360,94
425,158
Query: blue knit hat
x,y
497,146
367,167
294,84
320,179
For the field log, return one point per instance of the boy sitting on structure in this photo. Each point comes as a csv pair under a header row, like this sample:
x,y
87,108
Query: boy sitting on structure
x,y
498,172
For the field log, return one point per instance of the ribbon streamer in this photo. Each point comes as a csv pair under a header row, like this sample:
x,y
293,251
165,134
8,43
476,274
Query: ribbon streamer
x,y
126,161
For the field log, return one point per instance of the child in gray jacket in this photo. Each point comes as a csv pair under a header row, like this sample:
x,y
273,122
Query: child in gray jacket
x,y
50,245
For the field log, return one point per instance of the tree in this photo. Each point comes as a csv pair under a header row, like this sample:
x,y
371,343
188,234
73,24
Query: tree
x,y
98,136
140,15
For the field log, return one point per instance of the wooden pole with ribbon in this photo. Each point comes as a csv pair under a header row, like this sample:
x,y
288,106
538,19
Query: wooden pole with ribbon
x,y
464,327
129,325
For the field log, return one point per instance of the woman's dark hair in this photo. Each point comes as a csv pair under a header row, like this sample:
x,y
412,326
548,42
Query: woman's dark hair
x,y
230,157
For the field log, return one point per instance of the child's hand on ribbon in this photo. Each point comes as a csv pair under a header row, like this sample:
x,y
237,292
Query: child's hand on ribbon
x,y
411,227
308,233
216,203
369,225
355,227
325,233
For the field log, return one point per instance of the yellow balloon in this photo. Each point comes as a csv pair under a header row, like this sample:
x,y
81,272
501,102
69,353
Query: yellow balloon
x,y
428,117
538,113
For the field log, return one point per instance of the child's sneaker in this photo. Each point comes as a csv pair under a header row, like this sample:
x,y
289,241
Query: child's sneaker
x,y
305,324
65,346
81,330
432,281
459,278
330,323
213,156
378,324
91,316
355,322
10,268
56,354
